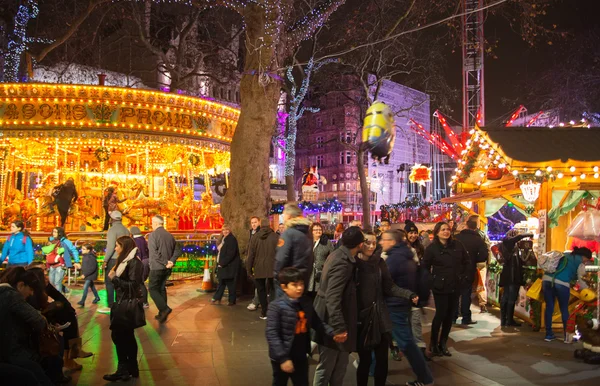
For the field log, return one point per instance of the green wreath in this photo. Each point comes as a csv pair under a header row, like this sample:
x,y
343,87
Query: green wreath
x,y
102,154
194,159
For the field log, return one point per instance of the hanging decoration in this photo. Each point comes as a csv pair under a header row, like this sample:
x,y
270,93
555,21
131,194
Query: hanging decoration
x,y
102,154
420,174
494,173
379,134
194,159
530,190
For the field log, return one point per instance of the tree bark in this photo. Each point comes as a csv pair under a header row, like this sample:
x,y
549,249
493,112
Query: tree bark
x,y
291,191
364,189
249,190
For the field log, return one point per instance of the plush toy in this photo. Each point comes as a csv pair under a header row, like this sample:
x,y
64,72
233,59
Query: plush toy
x,y
379,131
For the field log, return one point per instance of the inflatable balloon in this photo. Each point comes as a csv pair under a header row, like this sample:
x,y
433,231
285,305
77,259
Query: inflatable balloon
x,y
379,131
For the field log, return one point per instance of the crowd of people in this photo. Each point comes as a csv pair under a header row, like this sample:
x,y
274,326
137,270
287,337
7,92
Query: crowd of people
x,y
40,338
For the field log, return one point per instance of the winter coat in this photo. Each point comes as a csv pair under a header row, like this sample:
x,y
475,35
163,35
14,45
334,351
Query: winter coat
x,y
569,268
403,271
512,266
261,253
282,318
229,258
143,254
19,323
448,265
162,248
18,248
295,248
336,302
476,248
129,284
375,285
70,252
89,266
116,230
67,194
320,252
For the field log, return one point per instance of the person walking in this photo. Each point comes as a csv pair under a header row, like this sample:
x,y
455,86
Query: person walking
x,y
163,253
254,228
143,255
374,282
478,253
336,304
70,256
89,269
111,200
65,195
228,263
18,248
127,279
556,286
322,248
448,262
423,287
294,248
261,259
116,230
403,267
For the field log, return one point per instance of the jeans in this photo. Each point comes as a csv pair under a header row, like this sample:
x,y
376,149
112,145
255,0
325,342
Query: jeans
x,y
416,324
56,276
126,346
331,368
465,304
381,363
230,283
158,288
445,308
87,285
551,293
403,336
263,286
110,288
299,377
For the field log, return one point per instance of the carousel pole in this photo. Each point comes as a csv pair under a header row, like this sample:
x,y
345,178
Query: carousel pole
x,y
2,183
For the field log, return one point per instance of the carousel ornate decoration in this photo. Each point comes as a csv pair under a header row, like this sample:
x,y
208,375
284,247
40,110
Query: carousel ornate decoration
x,y
165,153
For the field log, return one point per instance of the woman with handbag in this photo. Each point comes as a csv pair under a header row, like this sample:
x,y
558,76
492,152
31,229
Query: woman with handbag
x,y
127,313
448,262
322,247
19,320
375,325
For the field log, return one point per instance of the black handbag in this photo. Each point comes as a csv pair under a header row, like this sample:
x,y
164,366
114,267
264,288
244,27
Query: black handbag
x,y
127,314
369,329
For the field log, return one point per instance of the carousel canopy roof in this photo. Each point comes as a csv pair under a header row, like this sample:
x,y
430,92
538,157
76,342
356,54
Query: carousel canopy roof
x,y
539,144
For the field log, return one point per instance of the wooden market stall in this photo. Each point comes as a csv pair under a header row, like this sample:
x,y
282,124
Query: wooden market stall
x,y
548,174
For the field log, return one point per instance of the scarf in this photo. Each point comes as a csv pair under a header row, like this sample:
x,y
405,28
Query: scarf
x,y
121,267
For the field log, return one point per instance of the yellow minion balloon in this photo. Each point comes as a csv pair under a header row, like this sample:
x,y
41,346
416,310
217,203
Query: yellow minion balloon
x,y
379,131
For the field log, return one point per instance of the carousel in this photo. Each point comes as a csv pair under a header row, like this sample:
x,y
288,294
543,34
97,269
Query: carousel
x,y
163,153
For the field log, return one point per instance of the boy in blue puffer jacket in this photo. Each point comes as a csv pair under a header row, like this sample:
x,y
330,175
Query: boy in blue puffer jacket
x,y
557,286
289,320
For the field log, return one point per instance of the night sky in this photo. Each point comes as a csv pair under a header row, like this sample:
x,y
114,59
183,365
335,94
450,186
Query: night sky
x,y
518,64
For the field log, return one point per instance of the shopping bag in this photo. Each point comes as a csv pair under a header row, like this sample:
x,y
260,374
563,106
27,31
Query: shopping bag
x,y
535,291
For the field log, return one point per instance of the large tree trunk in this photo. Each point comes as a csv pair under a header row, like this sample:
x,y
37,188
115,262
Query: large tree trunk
x,y
291,188
364,189
249,192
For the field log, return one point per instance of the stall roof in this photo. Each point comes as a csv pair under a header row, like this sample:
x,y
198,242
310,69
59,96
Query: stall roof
x,y
539,144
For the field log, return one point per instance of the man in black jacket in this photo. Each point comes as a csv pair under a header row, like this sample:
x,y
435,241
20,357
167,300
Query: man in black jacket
x,y
336,304
261,258
478,252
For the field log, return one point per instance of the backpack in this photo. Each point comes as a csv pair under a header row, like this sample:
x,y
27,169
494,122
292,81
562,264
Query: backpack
x,y
549,261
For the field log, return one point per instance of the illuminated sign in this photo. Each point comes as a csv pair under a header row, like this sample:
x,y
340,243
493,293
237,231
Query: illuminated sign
x,y
420,174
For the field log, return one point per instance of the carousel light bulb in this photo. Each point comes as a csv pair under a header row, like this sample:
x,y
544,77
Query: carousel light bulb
x,y
573,178
582,176
538,173
572,169
596,175
549,169
595,169
560,175
515,172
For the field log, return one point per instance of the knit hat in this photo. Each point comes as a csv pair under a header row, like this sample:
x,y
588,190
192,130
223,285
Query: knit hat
x,y
116,215
410,226
135,231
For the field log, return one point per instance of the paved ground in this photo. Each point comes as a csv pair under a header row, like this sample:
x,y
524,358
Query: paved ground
x,y
207,345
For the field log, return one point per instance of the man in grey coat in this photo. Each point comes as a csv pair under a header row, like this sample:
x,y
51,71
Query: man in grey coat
x,y
163,252
116,230
336,304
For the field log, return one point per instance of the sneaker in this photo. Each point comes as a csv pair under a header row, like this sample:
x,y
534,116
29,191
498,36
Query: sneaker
x,y
550,338
251,307
81,303
262,317
95,301
104,310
